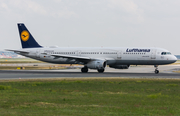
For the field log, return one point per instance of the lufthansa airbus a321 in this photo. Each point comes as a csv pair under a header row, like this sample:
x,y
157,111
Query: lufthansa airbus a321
x,y
93,58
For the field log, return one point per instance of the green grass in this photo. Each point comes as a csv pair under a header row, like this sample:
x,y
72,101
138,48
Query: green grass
x,y
90,97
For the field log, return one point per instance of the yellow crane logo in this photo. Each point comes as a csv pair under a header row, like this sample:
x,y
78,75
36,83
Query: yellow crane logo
x,y
24,35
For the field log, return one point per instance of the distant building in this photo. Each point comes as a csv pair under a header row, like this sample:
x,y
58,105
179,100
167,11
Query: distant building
x,y
8,54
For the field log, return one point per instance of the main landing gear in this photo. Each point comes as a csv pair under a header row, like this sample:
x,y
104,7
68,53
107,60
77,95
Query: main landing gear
x,y
156,69
100,70
84,69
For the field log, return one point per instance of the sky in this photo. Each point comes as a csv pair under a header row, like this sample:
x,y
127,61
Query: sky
x,y
93,23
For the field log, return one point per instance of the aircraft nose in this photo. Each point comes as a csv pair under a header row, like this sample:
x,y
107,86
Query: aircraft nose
x,y
174,59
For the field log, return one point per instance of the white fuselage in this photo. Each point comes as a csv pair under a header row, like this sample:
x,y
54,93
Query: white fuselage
x,y
112,55
93,58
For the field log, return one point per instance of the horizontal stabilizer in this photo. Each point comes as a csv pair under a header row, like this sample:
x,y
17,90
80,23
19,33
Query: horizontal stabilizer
x,y
21,51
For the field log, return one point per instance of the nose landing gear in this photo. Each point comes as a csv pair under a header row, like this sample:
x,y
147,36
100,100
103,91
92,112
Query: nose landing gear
x,y
156,69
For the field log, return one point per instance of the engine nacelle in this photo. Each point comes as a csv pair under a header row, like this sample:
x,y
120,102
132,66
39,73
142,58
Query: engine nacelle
x,y
99,64
119,66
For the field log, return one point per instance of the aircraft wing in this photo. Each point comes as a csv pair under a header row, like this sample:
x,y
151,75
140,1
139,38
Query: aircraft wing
x,y
19,51
68,56
78,58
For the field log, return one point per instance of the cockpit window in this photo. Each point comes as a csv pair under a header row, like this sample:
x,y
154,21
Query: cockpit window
x,y
165,53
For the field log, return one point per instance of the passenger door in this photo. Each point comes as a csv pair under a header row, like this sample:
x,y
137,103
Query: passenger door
x,y
79,53
153,53
119,55
38,53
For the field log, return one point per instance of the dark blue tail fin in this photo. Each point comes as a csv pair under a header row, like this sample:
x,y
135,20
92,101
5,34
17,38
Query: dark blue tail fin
x,y
27,40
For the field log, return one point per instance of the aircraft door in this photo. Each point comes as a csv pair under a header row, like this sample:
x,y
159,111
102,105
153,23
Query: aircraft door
x,y
153,54
119,55
38,53
79,53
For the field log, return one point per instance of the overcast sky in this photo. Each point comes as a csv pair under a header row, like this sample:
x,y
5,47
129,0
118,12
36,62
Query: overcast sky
x,y
93,23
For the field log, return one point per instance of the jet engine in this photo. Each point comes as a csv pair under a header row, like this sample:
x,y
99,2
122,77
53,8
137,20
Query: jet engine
x,y
98,64
119,66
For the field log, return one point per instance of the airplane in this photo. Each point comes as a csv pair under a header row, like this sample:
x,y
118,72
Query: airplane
x,y
93,58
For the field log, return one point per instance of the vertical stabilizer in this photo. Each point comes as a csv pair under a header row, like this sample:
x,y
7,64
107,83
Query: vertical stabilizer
x,y
27,40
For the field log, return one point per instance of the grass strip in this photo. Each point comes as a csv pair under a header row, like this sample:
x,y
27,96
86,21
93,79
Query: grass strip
x,y
91,96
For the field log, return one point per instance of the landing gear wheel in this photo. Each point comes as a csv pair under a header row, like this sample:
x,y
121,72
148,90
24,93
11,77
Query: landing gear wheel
x,y
84,70
156,71
100,70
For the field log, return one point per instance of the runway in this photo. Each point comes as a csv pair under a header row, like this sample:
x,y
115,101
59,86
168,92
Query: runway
x,y
133,72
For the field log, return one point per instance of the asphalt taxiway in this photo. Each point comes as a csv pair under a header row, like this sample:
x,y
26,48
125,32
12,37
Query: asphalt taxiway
x,y
133,72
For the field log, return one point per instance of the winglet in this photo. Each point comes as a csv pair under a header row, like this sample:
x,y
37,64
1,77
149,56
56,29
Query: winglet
x,y
27,40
